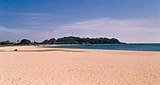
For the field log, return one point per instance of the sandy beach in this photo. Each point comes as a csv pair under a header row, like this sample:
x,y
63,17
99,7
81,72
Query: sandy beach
x,y
47,66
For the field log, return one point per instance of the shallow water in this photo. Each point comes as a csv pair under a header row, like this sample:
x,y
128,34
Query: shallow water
x,y
134,47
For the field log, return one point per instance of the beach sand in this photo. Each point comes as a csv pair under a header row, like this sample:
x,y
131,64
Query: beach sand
x,y
45,66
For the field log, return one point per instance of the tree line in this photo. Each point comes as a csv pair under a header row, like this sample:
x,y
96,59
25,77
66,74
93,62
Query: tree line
x,y
65,40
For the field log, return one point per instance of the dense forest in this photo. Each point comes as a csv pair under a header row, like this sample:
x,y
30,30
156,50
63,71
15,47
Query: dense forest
x,y
65,40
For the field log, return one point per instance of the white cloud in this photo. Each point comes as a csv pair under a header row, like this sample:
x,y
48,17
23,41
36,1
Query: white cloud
x,y
15,34
16,31
129,30
29,13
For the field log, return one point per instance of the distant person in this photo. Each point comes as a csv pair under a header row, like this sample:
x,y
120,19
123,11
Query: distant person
x,y
15,50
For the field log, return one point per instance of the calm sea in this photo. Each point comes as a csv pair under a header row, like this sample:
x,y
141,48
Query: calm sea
x,y
133,47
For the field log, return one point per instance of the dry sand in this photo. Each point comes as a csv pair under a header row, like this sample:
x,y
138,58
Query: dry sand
x,y
44,66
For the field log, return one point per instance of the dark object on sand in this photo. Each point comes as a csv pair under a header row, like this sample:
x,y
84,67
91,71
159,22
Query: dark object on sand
x,y
15,50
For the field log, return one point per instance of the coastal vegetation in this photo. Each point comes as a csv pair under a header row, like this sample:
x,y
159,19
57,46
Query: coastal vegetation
x,y
64,40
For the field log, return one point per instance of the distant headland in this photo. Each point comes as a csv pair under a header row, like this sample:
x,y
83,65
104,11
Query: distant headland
x,y
64,40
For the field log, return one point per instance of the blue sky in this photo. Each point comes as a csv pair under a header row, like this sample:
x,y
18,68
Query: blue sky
x,y
127,20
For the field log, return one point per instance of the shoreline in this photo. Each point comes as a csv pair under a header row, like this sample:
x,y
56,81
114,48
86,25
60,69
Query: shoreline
x,y
6,49
129,47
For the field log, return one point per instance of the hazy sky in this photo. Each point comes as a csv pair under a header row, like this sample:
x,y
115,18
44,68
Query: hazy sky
x,y
127,20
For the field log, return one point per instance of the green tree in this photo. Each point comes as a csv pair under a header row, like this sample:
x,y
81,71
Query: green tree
x,y
6,42
25,42
52,41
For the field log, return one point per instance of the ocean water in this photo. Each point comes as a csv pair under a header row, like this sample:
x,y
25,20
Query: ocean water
x,y
131,47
